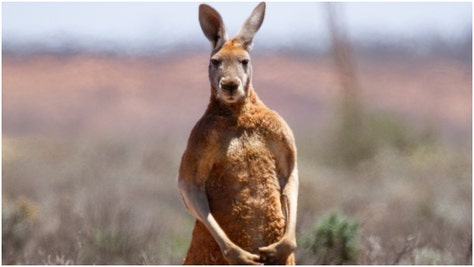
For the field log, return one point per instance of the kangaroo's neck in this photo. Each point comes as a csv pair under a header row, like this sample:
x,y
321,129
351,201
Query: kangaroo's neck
x,y
245,106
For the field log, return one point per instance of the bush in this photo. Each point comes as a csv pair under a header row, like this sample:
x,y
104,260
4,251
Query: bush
x,y
332,241
19,219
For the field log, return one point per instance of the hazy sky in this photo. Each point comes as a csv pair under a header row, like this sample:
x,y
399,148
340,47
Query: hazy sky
x,y
162,24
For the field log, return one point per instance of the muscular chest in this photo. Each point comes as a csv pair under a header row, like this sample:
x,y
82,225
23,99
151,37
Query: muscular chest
x,y
244,155
243,146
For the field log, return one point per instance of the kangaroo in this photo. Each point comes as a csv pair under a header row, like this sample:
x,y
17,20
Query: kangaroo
x,y
238,175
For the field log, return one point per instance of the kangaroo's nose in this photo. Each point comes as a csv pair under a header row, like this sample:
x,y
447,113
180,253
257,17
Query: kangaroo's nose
x,y
230,85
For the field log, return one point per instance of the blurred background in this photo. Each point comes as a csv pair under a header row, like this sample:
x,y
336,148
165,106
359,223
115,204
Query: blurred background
x,y
99,99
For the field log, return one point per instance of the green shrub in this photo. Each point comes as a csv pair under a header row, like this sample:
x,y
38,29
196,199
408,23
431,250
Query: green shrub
x,y
333,240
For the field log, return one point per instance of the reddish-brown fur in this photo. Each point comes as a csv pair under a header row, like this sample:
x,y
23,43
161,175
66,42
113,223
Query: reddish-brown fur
x,y
238,176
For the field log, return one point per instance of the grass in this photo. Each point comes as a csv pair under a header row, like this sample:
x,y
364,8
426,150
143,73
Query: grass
x,y
96,202
406,203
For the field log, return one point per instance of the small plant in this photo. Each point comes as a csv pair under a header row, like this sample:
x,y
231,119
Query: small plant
x,y
333,240
18,220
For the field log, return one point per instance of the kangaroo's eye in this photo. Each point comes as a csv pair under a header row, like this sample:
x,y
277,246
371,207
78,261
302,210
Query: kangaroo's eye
x,y
215,62
244,62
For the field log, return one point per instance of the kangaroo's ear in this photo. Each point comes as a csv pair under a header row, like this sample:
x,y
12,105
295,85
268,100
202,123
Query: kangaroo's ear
x,y
251,26
212,26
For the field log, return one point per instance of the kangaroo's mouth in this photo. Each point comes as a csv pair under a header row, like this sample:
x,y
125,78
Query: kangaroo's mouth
x,y
230,98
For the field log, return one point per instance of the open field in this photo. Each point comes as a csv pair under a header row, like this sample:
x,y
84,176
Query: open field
x,y
92,144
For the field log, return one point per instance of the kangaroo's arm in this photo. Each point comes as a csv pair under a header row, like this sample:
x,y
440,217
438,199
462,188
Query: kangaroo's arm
x,y
289,202
278,252
285,151
193,174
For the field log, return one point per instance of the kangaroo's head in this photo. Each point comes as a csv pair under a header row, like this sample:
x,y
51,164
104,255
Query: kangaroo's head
x,y
230,69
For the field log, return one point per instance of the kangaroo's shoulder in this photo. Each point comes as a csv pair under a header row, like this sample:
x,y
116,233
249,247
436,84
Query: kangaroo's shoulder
x,y
206,129
270,118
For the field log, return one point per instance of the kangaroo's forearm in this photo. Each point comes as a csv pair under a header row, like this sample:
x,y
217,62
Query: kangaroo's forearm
x,y
290,202
197,204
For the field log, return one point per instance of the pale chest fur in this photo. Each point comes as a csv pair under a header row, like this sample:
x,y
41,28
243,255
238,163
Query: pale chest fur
x,y
243,187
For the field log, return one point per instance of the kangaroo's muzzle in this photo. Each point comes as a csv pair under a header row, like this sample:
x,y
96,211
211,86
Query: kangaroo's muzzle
x,y
231,89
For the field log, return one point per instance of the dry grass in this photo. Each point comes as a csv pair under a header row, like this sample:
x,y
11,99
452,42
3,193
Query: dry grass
x,y
100,202
104,192
406,204
97,202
